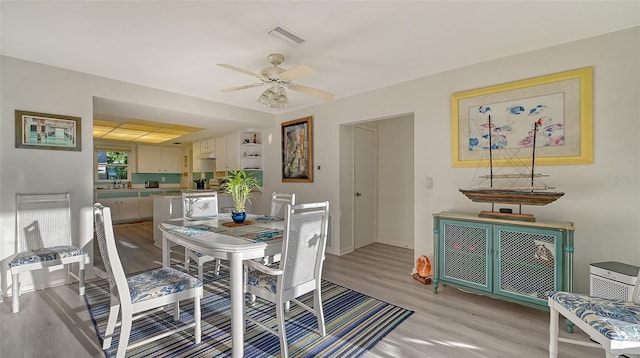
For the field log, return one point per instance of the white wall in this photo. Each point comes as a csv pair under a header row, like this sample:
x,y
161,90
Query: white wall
x,y
602,199
34,87
395,171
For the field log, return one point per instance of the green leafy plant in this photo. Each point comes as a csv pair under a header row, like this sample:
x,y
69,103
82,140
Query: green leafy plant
x,y
240,184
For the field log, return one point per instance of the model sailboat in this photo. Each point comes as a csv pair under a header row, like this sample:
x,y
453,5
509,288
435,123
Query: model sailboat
x,y
521,188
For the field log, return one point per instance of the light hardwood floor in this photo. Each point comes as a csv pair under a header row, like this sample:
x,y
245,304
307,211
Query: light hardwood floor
x,y
55,322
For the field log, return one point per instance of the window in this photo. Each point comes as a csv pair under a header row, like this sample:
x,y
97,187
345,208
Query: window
x,y
113,165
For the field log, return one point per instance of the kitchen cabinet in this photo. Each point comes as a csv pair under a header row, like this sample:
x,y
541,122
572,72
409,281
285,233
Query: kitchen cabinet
x,y
145,207
221,154
122,209
208,145
233,150
505,259
165,207
152,159
199,164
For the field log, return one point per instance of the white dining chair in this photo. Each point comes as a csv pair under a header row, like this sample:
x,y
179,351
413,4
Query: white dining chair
x,y
299,271
43,233
279,201
199,206
613,325
133,295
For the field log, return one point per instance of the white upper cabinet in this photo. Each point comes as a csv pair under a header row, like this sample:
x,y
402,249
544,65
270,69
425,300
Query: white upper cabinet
x,y
152,159
233,160
208,146
221,154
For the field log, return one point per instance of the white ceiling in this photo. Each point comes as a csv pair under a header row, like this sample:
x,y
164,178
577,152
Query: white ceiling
x,y
354,46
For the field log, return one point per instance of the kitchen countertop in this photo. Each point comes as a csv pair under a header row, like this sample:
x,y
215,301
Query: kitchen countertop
x,y
138,189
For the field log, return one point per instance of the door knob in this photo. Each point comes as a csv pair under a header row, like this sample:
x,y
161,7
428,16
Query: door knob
x,y
358,194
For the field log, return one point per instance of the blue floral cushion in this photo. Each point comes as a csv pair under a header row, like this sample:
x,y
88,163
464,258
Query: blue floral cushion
x,y
45,254
615,319
160,282
262,280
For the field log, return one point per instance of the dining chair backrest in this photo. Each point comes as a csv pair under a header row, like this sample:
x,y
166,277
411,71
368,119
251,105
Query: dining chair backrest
x,y
43,220
635,297
303,248
199,205
109,253
279,201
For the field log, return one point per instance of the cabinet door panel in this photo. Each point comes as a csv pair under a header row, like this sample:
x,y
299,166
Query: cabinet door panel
x,y
221,154
149,159
527,262
233,150
171,160
465,254
195,160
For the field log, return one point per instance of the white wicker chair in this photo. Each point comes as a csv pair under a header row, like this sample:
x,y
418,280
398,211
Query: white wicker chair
x,y
43,230
299,271
199,206
141,292
279,202
613,325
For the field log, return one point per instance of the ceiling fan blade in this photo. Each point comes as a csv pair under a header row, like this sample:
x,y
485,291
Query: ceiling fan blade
x,y
231,89
296,72
326,96
234,68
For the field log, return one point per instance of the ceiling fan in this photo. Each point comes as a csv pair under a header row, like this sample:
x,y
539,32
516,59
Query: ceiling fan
x,y
278,79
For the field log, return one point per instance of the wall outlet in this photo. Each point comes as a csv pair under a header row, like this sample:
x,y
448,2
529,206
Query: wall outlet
x,y
163,179
429,182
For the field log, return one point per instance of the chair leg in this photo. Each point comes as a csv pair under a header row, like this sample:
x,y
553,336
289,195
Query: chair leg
x,y
218,264
553,332
186,259
317,305
111,325
125,332
176,311
15,292
282,333
201,271
81,276
198,318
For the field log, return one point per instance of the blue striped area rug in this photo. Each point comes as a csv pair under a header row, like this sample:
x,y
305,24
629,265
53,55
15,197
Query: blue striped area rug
x,y
354,321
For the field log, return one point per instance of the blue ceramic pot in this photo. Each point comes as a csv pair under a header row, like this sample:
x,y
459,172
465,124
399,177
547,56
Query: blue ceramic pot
x,y
238,217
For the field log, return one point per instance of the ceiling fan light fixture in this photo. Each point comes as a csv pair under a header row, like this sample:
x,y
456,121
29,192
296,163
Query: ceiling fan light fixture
x,y
274,97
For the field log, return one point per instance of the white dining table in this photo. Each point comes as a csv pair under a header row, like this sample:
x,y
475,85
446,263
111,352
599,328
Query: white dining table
x,y
210,236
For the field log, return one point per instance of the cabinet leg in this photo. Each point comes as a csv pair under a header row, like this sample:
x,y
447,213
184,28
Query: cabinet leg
x,y
569,325
435,285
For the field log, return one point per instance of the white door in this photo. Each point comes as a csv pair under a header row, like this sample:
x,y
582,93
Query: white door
x,y
365,186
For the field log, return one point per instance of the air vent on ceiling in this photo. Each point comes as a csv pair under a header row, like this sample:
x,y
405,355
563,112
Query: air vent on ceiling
x,y
286,35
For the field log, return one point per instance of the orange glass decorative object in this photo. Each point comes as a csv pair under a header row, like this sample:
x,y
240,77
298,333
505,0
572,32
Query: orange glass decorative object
x,y
423,266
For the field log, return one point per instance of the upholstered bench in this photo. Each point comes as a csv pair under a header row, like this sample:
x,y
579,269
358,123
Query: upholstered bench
x,y
614,324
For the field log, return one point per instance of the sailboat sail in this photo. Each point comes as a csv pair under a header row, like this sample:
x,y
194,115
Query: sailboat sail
x,y
523,187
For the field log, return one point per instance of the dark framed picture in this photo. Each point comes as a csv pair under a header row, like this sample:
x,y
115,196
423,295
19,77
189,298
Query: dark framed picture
x,y
297,150
47,131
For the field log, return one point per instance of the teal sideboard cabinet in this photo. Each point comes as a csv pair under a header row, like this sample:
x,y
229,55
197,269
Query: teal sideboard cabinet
x,y
505,259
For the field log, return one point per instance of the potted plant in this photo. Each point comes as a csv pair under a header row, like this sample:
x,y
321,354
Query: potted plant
x,y
240,184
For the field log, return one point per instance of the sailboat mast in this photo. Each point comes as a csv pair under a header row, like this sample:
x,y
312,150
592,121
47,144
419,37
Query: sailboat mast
x,y
533,154
490,155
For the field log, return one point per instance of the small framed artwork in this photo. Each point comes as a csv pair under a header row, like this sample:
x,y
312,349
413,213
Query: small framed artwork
x,y
47,131
297,150
561,103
